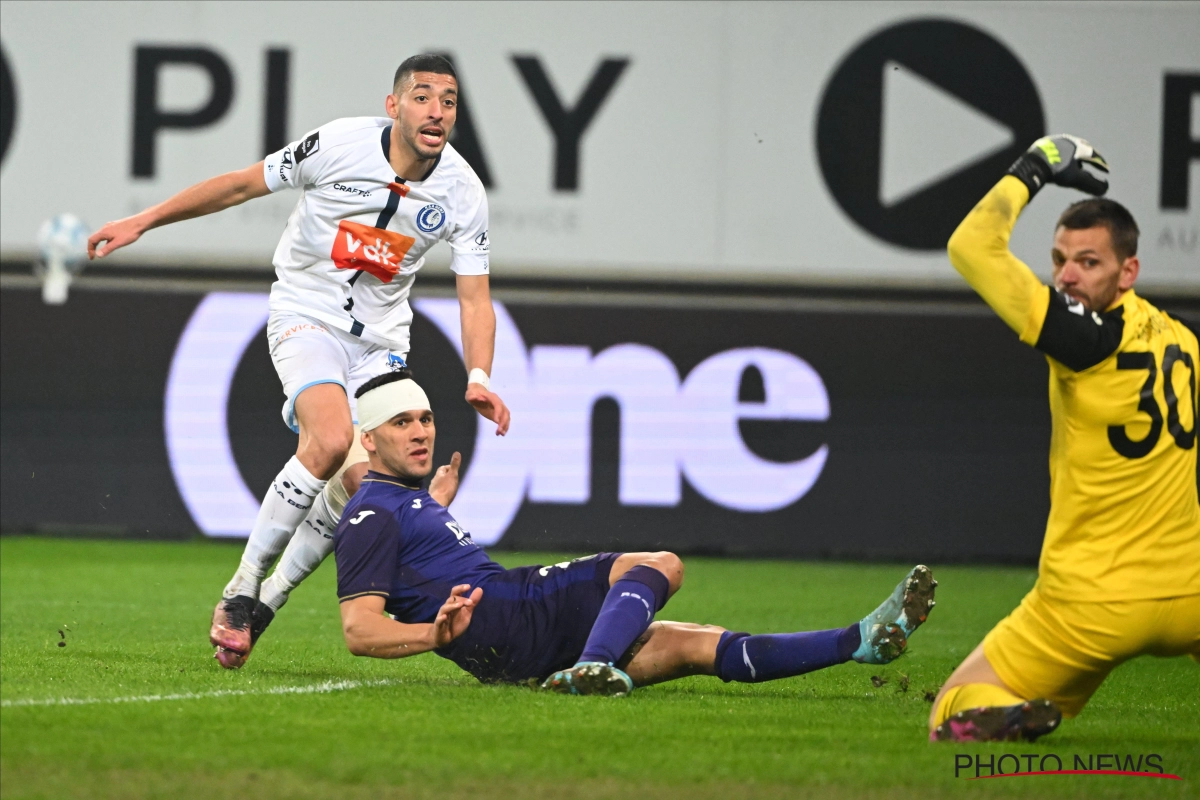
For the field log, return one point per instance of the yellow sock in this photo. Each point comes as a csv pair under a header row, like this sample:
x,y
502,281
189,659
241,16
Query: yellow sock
x,y
974,695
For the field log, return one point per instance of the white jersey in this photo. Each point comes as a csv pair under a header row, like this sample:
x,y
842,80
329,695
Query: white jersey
x,y
359,232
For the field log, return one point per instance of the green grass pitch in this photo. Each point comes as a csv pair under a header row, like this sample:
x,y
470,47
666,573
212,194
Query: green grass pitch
x,y
305,719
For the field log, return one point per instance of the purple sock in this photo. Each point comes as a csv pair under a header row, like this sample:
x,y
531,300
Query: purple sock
x,y
752,659
628,609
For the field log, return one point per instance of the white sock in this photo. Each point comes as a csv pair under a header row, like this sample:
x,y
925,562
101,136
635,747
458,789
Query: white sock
x,y
305,552
287,502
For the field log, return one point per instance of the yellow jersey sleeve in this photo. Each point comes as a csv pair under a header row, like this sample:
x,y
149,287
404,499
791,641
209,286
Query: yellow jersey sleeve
x,y
979,251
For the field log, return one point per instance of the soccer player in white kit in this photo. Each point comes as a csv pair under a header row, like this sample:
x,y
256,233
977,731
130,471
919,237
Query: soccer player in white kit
x,y
376,193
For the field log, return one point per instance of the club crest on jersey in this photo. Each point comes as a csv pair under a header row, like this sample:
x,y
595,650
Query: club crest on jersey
x,y
431,217
374,250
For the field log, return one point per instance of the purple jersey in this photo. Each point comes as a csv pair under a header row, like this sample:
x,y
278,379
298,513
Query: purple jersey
x,y
399,543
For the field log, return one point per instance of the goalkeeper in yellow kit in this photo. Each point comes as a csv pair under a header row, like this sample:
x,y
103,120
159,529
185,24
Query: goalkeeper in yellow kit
x,y
1119,575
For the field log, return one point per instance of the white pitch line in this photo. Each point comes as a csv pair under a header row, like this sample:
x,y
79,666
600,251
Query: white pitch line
x,y
315,688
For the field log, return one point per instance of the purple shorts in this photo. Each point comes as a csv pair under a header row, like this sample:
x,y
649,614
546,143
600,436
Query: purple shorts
x,y
533,621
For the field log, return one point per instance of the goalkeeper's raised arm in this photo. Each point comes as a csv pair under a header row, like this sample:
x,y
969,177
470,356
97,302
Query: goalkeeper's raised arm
x,y
1084,281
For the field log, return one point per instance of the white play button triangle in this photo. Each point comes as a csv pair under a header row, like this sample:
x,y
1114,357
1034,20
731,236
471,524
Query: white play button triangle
x,y
928,134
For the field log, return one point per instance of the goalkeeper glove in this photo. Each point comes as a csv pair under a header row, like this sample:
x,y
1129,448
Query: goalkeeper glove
x,y
1060,159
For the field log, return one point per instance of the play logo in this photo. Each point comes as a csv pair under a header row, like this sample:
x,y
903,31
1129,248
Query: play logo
x,y
918,122
8,105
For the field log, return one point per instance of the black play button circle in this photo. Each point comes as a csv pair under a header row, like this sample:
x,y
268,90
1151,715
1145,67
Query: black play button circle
x,y
8,105
958,59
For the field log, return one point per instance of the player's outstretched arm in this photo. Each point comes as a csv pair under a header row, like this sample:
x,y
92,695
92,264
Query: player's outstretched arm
x,y
979,247
479,345
206,197
368,632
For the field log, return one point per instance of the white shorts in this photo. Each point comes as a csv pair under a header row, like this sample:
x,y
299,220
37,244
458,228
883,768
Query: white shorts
x,y
307,352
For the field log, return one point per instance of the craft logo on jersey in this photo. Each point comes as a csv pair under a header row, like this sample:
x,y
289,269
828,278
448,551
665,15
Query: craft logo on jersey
x,y
374,250
431,217
310,145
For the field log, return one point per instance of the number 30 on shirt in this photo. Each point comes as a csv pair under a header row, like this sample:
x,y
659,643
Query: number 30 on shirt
x,y
1147,404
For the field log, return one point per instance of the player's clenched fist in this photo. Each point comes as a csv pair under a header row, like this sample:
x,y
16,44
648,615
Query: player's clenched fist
x,y
1060,159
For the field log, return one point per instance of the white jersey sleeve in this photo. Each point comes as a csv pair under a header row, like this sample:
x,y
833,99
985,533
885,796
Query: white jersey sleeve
x,y
469,246
296,165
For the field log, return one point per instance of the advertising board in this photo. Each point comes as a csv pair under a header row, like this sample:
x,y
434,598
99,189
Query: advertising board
x,y
792,427
747,142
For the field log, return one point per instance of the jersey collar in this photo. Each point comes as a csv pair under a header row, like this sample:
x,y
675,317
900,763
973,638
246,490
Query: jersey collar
x,y
380,477
1126,300
385,140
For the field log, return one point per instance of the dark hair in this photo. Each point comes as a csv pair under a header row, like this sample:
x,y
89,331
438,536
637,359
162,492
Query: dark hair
x,y
424,62
383,380
1096,212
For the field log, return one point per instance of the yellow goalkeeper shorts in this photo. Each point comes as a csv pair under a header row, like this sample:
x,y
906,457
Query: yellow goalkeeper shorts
x,y
1063,650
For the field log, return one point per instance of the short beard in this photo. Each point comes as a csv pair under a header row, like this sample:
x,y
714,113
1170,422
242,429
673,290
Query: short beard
x,y
409,137
1106,300
1090,304
400,472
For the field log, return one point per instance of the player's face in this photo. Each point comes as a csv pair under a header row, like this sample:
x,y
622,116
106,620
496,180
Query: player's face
x,y
404,444
1087,268
425,110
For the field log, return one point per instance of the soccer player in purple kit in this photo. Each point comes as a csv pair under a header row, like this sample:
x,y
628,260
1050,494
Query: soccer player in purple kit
x,y
410,580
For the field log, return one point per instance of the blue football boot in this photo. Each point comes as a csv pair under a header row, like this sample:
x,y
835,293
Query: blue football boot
x,y
590,677
885,630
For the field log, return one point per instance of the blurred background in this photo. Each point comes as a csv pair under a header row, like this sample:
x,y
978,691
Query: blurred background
x,y
726,321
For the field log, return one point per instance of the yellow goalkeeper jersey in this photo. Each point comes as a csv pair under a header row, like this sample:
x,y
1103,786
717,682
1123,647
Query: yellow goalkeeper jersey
x,y
1124,515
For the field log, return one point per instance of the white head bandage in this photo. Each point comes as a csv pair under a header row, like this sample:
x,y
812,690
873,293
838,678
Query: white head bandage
x,y
382,403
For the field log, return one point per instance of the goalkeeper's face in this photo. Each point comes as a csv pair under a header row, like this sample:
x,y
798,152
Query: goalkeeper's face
x,y
1088,269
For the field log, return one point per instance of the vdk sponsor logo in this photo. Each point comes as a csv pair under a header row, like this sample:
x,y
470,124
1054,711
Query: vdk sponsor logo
x,y
374,250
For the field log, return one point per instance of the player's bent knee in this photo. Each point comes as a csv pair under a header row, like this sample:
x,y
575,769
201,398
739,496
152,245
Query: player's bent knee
x,y
664,562
670,565
325,450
